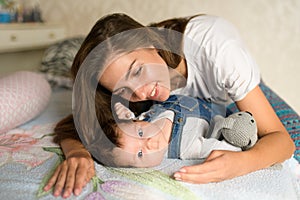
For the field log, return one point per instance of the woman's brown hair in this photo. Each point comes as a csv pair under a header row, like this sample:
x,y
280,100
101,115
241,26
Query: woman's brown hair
x,y
88,95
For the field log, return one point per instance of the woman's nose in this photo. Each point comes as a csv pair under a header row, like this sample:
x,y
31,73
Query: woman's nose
x,y
140,94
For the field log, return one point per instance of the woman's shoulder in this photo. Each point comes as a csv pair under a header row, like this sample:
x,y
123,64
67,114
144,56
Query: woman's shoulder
x,y
203,18
208,19
210,24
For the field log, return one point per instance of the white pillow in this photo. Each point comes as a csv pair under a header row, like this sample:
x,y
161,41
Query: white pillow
x,y
23,96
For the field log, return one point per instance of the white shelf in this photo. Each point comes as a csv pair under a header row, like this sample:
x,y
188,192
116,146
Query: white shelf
x,y
29,36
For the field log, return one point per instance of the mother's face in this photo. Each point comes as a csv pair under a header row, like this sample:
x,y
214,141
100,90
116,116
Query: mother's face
x,y
137,76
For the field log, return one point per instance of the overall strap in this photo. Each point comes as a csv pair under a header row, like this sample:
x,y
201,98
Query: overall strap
x,y
184,107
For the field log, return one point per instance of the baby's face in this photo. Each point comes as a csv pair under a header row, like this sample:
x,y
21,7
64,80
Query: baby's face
x,y
143,144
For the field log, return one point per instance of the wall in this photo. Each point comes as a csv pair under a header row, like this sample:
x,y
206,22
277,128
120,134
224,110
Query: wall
x,y
271,28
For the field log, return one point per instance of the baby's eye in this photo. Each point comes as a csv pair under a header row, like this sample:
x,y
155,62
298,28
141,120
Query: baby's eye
x,y
140,132
140,154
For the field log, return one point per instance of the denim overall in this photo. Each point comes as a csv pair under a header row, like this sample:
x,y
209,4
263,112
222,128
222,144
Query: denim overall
x,y
183,107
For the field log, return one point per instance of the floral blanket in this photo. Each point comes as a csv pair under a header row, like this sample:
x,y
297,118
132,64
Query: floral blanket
x,y
28,158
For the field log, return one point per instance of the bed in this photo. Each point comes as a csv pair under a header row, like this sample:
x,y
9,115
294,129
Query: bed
x,y
29,157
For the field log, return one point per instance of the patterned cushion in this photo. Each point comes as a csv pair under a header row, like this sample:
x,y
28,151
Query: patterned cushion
x,y
289,118
58,59
23,95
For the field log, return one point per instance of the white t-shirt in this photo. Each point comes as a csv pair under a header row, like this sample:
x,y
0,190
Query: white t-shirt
x,y
219,67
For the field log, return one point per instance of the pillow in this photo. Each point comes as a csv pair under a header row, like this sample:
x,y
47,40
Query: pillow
x,y
289,118
58,59
23,95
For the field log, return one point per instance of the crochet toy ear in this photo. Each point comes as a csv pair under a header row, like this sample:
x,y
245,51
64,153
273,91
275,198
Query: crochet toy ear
x,y
228,123
216,124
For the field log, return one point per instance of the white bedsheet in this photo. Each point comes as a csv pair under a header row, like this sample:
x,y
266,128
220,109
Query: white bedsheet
x,y
24,170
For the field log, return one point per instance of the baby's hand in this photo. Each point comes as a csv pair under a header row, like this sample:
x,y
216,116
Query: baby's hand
x,y
123,112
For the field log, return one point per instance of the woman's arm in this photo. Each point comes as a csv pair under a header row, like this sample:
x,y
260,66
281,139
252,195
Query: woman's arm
x,y
274,146
78,167
274,140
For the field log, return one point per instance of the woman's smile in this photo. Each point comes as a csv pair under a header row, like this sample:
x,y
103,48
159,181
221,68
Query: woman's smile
x,y
137,76
154,92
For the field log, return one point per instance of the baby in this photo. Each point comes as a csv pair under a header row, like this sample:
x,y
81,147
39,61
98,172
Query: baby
x,y
177,128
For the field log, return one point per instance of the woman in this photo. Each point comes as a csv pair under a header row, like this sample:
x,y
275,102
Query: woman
x,y
133,65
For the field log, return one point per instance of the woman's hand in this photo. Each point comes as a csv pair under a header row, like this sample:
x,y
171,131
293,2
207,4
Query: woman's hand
x,y
220,165
72,175
274,146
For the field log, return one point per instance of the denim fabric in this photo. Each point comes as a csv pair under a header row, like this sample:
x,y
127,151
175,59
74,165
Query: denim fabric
x,y
183,107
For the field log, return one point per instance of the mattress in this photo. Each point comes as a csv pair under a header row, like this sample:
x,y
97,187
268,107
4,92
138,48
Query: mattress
x,y
29,157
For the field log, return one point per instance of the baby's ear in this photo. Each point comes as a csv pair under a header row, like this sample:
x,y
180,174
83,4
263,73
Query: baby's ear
x,y
123,112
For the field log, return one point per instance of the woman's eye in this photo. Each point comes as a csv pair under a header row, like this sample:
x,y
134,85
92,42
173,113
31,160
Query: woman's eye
x,y
140,154
138,71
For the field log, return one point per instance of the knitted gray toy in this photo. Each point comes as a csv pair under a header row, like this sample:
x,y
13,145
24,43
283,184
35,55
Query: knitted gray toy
x,y
238,129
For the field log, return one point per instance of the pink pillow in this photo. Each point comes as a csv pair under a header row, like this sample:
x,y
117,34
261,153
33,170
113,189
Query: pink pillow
x,y
23,96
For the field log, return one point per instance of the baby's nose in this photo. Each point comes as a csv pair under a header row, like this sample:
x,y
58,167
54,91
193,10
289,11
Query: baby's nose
x,y
151,144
